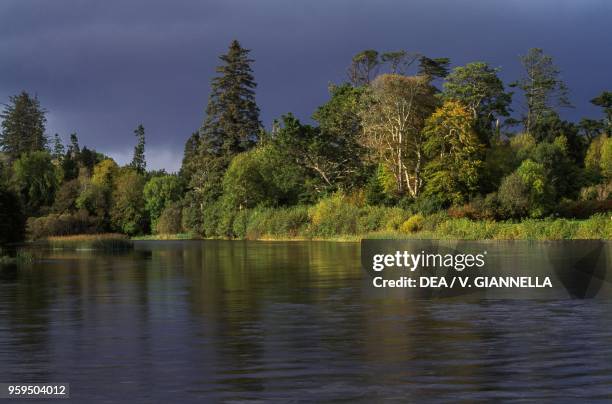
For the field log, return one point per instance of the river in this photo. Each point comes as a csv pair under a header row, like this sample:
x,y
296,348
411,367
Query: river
x,y
244,320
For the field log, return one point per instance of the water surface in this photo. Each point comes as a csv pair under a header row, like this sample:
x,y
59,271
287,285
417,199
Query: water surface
x,y
233,320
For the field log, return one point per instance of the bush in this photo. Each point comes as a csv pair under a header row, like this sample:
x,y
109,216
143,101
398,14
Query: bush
x,y
334,215
62,224
412,225
428,204
394,218
290,222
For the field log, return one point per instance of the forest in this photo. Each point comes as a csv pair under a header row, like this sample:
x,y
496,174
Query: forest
x,y
407,145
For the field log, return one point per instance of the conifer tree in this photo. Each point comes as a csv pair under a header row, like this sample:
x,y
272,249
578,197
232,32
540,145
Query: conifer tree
x,y
190,157
232,116
58,148
138,161
23,126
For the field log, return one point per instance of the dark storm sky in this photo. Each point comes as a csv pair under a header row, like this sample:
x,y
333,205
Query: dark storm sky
x,y
102,67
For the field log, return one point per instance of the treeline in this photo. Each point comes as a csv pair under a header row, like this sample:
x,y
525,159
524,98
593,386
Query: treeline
x,y
405,136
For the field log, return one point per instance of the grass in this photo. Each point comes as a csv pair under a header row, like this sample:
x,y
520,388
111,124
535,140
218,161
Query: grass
x,y
105,241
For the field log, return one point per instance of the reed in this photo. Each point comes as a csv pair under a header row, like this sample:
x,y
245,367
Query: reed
x,y
105,241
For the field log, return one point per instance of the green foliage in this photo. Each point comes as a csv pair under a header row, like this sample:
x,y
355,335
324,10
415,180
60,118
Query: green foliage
x,y
329,160
605,164
542,87
337,146
253,179
604,100
128,213
160,192
500,160
527,191
66,197
138,160
363,67
413,224
232,116
454,172
170,220
477,86
55,224
23,126
561,171
190,156
333,215
35,178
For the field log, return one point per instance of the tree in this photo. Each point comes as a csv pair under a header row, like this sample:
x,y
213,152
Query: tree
x,y
544,90
550,127
321,153
70,162
97,192
363,68
35,179
436,68
393,118
591,128
66,196
128,213
477,86
606,159
160,192
526,192
399,61
340,129
562,173
170,220
604,100
190,157
253,179
58,148
455,153
232,116
23,126
138,161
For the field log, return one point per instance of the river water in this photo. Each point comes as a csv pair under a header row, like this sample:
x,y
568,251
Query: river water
x,y
241,320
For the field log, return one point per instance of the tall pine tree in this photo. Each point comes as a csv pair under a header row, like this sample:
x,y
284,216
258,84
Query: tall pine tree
x,y
232,116
138,161
23,126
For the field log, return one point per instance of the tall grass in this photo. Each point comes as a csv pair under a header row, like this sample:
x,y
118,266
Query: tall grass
x,y
106,241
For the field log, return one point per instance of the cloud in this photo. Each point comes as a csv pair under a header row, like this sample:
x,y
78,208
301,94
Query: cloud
x,y
101,68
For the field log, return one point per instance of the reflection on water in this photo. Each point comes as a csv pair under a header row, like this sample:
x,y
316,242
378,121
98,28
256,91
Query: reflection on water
x,y
230,320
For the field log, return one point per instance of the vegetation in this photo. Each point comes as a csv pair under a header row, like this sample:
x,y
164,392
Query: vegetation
x,y
90,242
409,147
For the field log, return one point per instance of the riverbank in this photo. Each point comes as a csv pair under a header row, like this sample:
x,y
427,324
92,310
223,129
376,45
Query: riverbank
x,y
433,227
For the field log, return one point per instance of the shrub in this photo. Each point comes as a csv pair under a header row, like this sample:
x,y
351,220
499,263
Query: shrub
x,y
394,218
371,218
413,224
62,224
333,216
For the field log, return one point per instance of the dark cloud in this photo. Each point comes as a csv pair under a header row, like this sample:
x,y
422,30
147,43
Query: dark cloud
x,y
102,67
